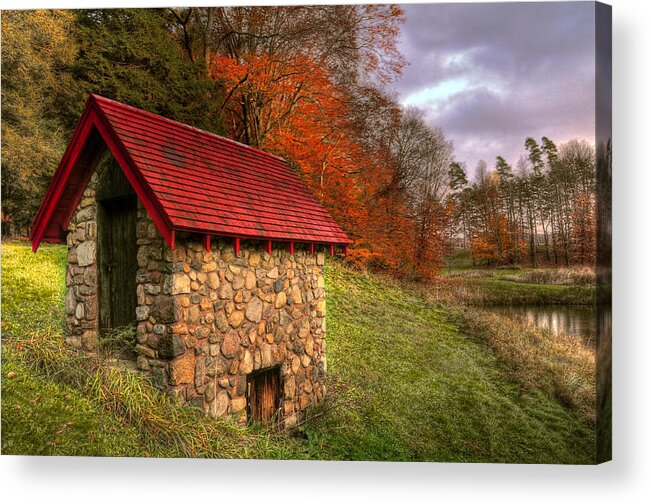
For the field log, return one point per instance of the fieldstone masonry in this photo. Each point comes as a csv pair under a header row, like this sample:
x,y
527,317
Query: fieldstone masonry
x,y
206,319
81,274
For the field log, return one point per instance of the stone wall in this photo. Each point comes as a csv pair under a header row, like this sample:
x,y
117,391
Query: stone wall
x,y
206,319
81,273
214,317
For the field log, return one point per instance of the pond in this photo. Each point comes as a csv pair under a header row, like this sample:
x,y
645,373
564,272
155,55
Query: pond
x,y
577,320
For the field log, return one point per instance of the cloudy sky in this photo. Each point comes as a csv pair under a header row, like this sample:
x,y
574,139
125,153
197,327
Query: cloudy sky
x,y
492,74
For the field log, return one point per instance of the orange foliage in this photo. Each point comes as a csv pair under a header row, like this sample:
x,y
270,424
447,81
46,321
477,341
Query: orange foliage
x,y
289,105
496,245
382,23
296,112
584,229
432,240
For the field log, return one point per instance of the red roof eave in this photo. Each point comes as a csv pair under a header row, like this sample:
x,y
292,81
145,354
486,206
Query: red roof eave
x,y
262,236
187,180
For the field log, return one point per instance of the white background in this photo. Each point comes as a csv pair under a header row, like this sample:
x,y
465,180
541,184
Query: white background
x,y
626,479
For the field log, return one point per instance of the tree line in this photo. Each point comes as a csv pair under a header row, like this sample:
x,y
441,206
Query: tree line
x,y
543,212
309,83
306,82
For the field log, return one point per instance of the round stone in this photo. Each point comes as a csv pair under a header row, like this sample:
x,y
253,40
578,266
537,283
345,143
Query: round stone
x,y
235,319
230,345
220,405
249,280
246,366
281,299
254,310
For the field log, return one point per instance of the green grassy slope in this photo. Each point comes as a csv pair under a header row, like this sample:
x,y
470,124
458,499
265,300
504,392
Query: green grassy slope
x,y
420,389
405,382
56,401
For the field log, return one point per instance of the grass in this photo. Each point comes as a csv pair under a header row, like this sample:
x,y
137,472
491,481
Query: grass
x,y
487,290
579,275
420,386
33,289
41,417
62,402
461,282
556,363
408,380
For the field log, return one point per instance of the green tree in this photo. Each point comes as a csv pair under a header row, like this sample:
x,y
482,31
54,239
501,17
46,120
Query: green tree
x,y
503,169
458,177
135,56
535,155
52,61
458,199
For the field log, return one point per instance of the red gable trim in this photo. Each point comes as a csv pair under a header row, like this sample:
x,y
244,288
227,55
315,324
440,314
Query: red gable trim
x,y
92,120
57,184
141,187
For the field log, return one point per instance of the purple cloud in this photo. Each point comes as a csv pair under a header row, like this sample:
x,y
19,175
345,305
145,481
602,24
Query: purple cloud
x,y
492,74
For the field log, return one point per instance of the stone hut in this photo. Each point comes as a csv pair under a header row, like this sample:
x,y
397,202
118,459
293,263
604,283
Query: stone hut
x,y
211,252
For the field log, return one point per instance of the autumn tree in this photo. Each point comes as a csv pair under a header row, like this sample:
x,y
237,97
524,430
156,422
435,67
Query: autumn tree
x,y
383,229
583,228
508,190
492,239
424,155
403,171
577,175
36,50
546,195
494,245
269,56
306,83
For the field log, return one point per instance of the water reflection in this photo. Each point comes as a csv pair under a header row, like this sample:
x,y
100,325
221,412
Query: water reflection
x,y
576,320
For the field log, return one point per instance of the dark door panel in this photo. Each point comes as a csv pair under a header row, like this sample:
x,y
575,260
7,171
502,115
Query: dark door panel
x,y
117,250
263,395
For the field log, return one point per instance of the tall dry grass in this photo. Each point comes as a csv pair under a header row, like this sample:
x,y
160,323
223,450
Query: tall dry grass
x,y
560,276
556,363
183,431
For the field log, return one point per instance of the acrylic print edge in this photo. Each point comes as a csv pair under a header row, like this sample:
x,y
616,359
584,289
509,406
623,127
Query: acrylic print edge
x,y
603,141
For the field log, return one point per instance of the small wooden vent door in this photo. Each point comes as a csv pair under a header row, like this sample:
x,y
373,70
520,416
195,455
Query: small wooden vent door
x,y
263,395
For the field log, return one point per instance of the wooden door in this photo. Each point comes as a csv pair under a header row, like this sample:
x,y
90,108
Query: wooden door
x,y
117,262
263,395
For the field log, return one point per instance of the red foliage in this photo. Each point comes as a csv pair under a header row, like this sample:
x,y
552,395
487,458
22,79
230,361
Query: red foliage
x,y
293,110
584,229
496,244
290,106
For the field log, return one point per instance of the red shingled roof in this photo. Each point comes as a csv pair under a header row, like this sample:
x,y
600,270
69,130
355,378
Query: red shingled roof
x,y
187,178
